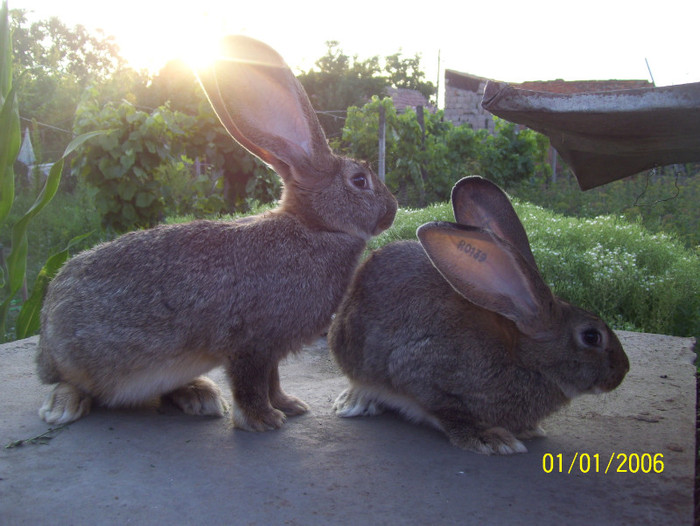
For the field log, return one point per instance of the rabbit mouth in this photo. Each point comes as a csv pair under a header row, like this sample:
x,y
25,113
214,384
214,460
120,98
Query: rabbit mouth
x,y
384,222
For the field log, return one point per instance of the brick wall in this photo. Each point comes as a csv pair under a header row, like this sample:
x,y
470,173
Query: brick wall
x,y
463,94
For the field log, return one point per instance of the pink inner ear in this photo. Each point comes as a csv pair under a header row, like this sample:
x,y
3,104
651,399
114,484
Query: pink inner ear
x,y
272,109
485,271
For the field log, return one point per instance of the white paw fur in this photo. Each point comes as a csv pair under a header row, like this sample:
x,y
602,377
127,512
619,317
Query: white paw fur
x,y
65,404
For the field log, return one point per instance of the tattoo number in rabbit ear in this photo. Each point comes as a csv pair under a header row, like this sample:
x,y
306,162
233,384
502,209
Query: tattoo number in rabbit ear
x,y
479,255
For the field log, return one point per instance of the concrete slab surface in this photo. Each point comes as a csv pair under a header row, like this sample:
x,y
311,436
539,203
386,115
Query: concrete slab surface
x,y
158,466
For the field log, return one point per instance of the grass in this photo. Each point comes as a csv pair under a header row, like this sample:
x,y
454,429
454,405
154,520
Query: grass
x,y
665,200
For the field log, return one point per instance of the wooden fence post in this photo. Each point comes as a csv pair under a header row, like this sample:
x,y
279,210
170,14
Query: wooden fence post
x,y
382,144
421,122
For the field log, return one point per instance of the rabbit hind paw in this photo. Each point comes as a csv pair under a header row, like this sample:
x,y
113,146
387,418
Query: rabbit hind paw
x,y
65,404
199,397
356,401
492,441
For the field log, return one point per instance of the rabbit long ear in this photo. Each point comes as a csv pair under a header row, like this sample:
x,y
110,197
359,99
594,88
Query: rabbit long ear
x,y
490,273
479,202
264,107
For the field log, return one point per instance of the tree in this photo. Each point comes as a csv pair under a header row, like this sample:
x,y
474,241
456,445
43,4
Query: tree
x,y
422,168
175,84
53,64
406,73
340,81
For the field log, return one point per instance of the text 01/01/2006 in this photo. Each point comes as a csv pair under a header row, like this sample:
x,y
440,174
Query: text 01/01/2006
x,y
616,463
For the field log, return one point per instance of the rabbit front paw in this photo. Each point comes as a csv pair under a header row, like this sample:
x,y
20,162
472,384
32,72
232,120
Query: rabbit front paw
x,y
289,405
66,403
257,419
200,397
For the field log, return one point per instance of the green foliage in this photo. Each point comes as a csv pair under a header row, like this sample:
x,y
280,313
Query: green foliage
x,y
422,168
512,155
176,85
407,73
53,64
68,215
633,279
9,123
246,179
123,164
185,193
17,260
662,202
340,81
28,319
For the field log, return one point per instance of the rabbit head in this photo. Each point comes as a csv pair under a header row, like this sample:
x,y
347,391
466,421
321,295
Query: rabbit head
x,y
487,259
478,345
264,107
146,314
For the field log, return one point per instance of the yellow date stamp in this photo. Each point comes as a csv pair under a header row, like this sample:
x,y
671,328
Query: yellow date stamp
x,y
595,463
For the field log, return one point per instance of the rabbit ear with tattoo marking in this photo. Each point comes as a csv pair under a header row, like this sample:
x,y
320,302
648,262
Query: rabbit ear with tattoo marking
x,y
490,273
478,202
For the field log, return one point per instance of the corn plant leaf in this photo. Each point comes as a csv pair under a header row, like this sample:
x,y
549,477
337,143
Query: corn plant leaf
x,y
28,319
17,260
5,52
9,149
80,139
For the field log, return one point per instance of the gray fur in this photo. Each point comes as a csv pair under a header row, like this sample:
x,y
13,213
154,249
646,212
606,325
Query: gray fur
x,y
146,314
410,340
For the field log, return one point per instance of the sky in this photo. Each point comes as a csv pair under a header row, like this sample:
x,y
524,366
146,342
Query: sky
x,y
507,40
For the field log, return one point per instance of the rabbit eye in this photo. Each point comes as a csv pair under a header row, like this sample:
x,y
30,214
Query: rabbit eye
x,y
359,180
592,337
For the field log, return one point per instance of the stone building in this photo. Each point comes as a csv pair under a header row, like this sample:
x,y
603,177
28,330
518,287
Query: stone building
x,y
463,93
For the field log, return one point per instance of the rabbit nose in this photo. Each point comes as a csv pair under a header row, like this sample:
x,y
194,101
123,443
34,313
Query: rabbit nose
x,y
619,366
388,218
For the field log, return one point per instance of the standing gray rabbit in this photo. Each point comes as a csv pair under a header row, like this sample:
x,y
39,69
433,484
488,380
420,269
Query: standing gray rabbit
x,y
148,313
461,331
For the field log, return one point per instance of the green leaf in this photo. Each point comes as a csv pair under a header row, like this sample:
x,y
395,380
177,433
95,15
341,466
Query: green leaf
x,y
127,190
5,53
9,149
17,260
144,199
127,160
28,320
80,139
129,213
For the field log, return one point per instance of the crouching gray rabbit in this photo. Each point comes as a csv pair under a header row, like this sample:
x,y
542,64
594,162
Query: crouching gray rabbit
x,y
460,331
147,314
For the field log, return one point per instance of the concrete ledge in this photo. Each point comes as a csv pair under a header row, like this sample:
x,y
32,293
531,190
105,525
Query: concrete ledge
x,y
157,466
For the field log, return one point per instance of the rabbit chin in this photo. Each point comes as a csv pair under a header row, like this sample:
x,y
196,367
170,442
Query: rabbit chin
x,y
572,392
